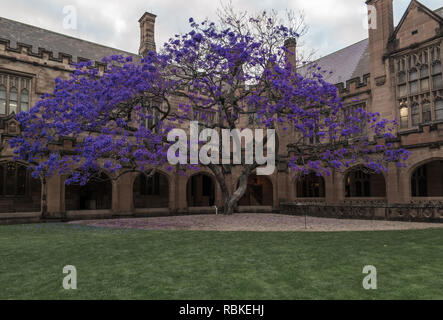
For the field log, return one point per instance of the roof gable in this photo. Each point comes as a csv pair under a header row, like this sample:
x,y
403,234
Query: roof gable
x,y
433,15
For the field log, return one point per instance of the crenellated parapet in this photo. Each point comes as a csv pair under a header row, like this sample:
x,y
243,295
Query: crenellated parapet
x,y
27,53
354,86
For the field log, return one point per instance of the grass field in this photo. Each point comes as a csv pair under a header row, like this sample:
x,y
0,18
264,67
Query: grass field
x,y
140,264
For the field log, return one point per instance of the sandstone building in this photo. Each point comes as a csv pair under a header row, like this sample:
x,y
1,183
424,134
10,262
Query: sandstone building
x,y
397,71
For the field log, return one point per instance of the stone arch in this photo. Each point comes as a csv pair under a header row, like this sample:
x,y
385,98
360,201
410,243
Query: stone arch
x,y
421,161
362,182
260,192
200,190
19,191
310,186
426,178
153,192
95,195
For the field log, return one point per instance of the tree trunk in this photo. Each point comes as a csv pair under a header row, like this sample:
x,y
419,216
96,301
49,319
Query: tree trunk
x,y
232,201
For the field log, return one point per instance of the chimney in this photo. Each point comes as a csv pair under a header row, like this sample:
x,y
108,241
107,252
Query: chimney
x,y
147,41
291,55
381,27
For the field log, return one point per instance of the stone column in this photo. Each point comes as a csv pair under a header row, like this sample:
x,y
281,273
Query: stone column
x,y
332,189
282,184
181,193
125,196
56,196
336,183
291,189
115,197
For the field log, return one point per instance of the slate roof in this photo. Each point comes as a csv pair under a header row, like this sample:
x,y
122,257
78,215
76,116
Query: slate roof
x,y
439,12
15,31
345,64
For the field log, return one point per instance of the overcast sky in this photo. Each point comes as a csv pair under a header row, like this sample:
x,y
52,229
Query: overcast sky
x,y
333,24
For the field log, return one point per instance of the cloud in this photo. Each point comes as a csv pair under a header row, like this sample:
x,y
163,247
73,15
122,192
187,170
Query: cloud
x,y
333,24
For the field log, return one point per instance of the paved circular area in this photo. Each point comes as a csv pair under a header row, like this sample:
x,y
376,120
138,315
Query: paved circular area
x,y
255,222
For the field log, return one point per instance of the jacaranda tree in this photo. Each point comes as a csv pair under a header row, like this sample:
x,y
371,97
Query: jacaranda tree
x,y
109,117
223,79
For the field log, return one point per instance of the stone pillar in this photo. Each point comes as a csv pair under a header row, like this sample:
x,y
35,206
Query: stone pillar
x,y
125,196
403,183
332,188
393,192
181,193
282,185
291,192
56,196
173,190
115,197
336,183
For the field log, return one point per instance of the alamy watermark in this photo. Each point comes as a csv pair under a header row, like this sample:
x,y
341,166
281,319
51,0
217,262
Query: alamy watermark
x,y
70,17
209,152
370,281
70,281
370,18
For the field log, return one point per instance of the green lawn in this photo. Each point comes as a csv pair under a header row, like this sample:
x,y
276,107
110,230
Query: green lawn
x,y
137,264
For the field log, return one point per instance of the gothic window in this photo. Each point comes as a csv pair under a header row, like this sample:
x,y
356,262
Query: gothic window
x,y
252,118
437,81
424,71
209,117
14,94
207,186
151,117
427,180
413,84
404,117
424,83
360,124
419,182
204,116
24,100
14,179
402,90
358,184
414,87
413,75
13,100
312,138
415,115
439,109
149,186
401,77
426,113
419,76
437,76
2,100
315,139
436,68
424,75
311,186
